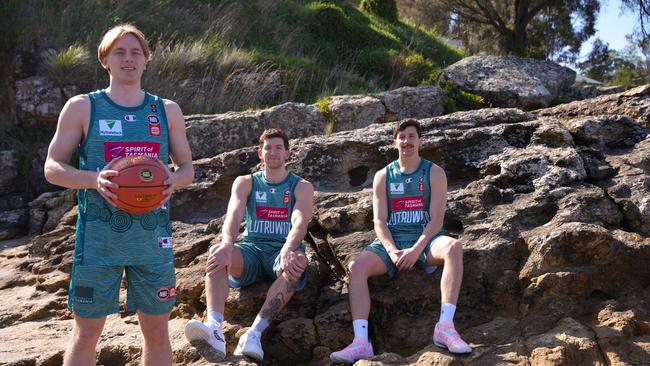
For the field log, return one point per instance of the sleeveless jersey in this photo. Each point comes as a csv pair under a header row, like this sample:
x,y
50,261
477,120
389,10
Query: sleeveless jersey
x,y
107,235
408,198
269,208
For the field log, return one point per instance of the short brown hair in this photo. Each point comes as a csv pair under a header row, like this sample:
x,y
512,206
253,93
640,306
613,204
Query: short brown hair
x,y
401,126
274,132
118,32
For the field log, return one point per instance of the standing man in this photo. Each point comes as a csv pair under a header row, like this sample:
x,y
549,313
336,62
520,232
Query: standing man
x,y
409,202
103,125
278,206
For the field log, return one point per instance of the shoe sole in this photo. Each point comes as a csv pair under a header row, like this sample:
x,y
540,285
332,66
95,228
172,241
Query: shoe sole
x,y
253,355
445,347
199,340
340,360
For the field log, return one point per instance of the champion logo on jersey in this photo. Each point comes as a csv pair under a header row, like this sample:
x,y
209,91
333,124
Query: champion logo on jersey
x,y
129,117
110,127
165,242
271,190
397,188
260,196
408,180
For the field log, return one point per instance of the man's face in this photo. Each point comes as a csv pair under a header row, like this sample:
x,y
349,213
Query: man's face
x,y
408,142
273,153
125,61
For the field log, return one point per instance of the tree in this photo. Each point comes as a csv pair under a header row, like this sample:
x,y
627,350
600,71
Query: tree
x,y
642,9
598,64
537,28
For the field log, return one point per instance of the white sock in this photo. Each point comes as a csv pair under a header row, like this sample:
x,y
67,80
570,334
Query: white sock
x,y
360,329
215,317
447,312
260,324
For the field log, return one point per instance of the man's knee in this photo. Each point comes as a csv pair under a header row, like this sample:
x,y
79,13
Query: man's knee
x,y
357,270
155,328
86,333
454,249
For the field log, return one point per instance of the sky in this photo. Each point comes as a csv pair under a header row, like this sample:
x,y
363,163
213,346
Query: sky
x,y
611,27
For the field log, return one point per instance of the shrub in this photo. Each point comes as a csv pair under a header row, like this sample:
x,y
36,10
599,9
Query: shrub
x,y
73,65
386,9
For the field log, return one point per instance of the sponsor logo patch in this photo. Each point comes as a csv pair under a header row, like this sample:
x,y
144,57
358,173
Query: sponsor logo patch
x,y
114,150
167,293
260,196
165,242
154,130
153,119
272,213
407,203
110,127
397,188
285,198
84,295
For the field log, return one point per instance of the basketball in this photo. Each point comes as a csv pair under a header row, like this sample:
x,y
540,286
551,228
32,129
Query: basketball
x,y
141,183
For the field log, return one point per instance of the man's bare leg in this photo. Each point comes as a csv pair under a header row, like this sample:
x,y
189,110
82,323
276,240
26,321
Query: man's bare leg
x,y
85,335
156,350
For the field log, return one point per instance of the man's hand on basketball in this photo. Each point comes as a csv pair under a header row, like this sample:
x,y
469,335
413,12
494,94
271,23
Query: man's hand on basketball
x,y
104,183
290,264
218,259
170,182
408,259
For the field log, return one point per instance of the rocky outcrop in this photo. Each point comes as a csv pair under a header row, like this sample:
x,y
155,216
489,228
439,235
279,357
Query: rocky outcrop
x,y
552,210
509,81
38,99
210,135
633,103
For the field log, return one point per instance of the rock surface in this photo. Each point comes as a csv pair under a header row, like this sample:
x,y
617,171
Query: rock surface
x,y
552,209
509,81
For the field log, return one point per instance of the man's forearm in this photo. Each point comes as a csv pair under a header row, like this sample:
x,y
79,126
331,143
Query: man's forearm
x,y
427,234
184,175
295,236
65,175
385,237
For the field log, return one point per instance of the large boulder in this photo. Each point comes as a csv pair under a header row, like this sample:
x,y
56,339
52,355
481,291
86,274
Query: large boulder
x,y
38,99
210,135
510,81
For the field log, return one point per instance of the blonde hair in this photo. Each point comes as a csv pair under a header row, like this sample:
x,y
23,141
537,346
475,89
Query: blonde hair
x,y
118,32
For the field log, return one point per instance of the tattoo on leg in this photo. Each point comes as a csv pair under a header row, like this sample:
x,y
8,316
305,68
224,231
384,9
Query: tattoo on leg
x,y
277,303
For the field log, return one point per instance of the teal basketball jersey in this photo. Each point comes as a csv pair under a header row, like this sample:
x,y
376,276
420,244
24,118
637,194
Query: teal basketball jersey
x,y
408,199
107,235
269,208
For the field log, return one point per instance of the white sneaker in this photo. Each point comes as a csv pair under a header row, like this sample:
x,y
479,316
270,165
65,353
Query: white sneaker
x,y
206,338
249,345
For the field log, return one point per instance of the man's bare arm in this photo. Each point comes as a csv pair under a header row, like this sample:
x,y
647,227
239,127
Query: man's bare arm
x,y
301,215
179,148
380,212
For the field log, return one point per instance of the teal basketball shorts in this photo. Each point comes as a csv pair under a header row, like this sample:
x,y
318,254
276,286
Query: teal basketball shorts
x,y
377,248
94,289
262,260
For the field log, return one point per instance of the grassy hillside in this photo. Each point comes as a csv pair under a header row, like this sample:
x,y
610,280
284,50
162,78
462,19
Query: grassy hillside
x,y
319,48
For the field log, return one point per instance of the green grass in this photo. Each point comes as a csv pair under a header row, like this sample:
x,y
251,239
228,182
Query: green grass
x,y
319,48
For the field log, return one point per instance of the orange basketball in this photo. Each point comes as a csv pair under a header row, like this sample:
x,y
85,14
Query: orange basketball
x,y
141,183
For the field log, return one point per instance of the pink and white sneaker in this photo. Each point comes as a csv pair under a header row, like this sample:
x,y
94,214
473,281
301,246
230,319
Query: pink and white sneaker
x,y
357,350
446,336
